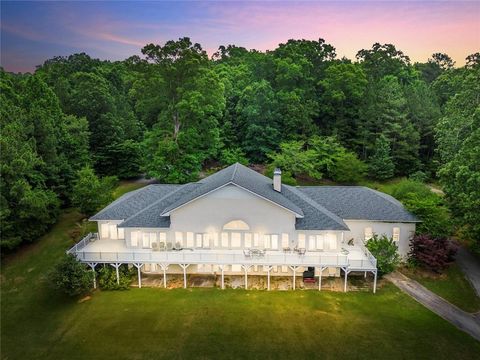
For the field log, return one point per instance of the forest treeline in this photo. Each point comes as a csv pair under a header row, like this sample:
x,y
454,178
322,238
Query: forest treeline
x,y
174,110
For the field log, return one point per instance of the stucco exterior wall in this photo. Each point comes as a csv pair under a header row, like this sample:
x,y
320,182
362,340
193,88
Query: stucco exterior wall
x,y
211,212
357,231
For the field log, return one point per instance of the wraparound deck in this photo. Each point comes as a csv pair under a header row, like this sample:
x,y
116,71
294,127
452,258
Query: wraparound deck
x,y
93,251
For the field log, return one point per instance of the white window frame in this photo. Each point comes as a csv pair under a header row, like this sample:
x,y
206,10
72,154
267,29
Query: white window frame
x,y
224,240
247,238
311,242
301,240
274,241
145,240
256,240
134,238
179,238
190,240
396,234
236,240
319,242
285,240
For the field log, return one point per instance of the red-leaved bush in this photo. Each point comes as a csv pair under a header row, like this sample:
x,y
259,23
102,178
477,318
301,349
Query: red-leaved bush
x,y
431,253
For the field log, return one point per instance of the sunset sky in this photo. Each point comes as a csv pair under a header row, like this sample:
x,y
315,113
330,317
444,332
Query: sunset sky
x,y
32,32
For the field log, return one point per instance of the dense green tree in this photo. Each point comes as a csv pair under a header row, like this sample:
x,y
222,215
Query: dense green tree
x,y
458,138
385,112
342,90
294,159
380,163
257,112
348,169
90,193
71,277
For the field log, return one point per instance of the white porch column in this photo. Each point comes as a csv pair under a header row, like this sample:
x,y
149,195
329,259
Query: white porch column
x,y
365,275
269,268
245,268
222,267
116,266
345,283
92,265
184,267
164,269
294,269
320,279
375,282
139,266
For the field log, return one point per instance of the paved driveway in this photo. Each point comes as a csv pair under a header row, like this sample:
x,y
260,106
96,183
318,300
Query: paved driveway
x,y
470,267
470,323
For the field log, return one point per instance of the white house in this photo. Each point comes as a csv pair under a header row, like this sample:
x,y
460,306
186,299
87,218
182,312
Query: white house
x,y
239,222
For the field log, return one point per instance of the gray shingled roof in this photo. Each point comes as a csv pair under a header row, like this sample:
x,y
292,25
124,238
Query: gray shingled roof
x,y
133,202
317,207
244,177
358,203
316,217
150,216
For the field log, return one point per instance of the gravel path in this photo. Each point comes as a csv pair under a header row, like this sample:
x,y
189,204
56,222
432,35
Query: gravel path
x,y
470,323
470,267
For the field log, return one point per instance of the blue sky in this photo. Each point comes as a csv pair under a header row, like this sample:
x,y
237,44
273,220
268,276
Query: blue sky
x,y
32,32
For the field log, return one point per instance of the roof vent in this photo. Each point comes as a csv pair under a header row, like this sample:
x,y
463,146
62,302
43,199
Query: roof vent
x,y
277,180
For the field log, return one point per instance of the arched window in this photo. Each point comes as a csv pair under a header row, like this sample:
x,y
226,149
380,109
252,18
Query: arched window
x,y
236,225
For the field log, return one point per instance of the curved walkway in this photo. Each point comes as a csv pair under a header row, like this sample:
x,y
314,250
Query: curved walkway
x,y
470,267
470,323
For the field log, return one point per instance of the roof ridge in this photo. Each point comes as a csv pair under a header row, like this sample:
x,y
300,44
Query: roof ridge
x,y
316,205
156,202
234,171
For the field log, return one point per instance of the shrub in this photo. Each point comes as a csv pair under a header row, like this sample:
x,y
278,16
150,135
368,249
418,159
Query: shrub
x,y
91,193
407,188
434,215
348,169
385,251
71,277
418,176
107,278
232,156
431,253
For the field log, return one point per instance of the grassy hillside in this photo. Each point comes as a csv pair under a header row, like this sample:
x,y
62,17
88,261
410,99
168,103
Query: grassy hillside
x,y
209,323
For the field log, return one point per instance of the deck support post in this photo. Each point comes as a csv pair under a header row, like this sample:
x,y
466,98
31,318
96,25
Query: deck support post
x,y
246,268
184,267
92,266
269,268
375,282
365,275
320,279
222,267
294,269
345,282
116,266
164,269
139,266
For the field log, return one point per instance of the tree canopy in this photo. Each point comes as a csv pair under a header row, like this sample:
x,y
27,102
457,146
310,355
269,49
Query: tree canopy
x,y
173,111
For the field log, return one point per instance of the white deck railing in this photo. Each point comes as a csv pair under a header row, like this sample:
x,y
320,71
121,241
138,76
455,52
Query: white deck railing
x,y
82,243
369,261
221,257
213,257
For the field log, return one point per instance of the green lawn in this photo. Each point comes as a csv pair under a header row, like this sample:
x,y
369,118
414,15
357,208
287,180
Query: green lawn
x,y
36,323
452,286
